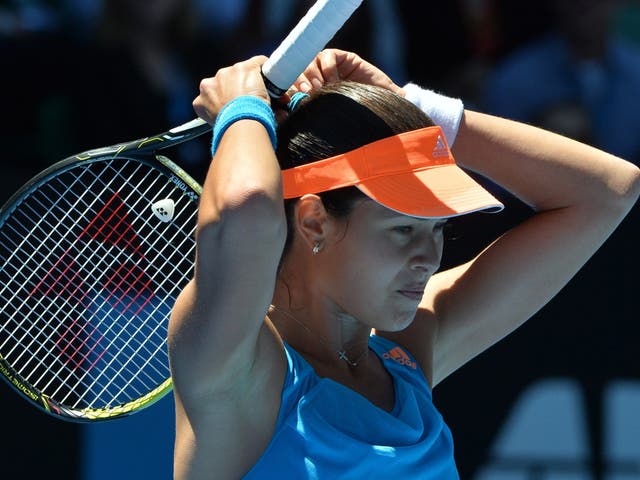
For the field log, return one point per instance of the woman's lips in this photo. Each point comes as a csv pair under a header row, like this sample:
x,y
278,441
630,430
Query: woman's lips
x,y
412,294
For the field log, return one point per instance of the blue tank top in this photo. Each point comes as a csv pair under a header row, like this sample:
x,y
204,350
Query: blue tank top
x,y
328,431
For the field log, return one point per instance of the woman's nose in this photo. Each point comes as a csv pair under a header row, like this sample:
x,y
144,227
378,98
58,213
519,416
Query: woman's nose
x,y
427,254
425,263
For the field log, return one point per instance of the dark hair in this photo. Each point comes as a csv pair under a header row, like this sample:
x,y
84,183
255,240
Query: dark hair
x,y
335,119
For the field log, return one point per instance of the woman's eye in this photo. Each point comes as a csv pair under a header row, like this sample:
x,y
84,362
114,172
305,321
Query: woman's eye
x,y
403,229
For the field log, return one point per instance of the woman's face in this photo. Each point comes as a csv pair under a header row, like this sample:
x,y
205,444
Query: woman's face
x,y
378,264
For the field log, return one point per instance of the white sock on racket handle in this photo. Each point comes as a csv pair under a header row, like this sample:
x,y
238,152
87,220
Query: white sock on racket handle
x,y
304,42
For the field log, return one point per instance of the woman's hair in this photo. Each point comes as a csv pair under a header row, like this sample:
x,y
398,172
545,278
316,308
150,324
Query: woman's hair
x,y
335,119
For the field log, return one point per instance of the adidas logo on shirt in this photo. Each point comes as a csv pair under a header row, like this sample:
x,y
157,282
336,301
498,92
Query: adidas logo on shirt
x,y
400,356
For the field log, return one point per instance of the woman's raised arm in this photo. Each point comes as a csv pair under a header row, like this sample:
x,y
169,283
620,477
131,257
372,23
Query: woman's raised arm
x,y
580,195
222,354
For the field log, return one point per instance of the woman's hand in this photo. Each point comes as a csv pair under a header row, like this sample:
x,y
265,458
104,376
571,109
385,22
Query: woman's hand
x,y
332,65
243,78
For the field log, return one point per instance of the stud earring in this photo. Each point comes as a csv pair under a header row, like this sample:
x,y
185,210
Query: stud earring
x,y
316,249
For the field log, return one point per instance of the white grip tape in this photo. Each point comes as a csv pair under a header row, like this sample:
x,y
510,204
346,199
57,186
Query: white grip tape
x,y
305,41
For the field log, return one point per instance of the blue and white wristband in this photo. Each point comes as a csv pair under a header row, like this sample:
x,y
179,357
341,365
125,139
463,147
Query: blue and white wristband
x,y
247,107
446,112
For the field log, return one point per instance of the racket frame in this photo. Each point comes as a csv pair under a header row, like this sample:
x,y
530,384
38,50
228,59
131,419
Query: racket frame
x,y
143,150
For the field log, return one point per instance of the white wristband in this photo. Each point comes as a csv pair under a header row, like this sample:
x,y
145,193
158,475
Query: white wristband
x,y
446,112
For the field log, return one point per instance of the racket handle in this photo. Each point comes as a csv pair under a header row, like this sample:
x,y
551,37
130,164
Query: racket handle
x,y
304,42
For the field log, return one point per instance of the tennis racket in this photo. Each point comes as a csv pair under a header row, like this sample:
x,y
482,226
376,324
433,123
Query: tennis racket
x,y
94,251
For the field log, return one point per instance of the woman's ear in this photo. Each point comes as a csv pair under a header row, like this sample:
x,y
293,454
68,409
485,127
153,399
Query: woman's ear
x,y
311,220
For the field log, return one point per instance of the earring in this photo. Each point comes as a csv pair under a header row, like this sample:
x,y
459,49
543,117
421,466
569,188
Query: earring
x,y
316,249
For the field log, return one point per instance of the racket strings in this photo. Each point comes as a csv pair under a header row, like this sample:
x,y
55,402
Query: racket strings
x,y
99,231
162,336
45,234
40,233
175,287
85,340
177,246
133,336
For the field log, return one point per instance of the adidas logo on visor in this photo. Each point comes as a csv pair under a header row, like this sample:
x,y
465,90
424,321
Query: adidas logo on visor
x,y
440,150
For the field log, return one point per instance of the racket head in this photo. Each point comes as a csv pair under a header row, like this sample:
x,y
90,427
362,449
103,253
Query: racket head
x,y
94,251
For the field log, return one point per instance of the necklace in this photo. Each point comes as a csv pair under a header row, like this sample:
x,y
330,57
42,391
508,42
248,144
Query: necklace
x,y
342,354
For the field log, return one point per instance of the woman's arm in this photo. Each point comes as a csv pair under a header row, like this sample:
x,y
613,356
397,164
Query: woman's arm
x,y
222,354
240,235
580,195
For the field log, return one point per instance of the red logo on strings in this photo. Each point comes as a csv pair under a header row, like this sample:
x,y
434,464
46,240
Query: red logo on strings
x,y
107,253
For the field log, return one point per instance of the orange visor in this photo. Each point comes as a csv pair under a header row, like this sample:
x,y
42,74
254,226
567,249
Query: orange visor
x,y
413,173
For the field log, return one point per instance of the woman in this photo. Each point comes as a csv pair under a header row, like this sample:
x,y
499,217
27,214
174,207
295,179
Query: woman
x,y
275,367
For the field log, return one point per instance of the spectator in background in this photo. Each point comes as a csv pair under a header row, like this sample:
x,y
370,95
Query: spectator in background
x,y
145,59
444,23
19,18
581,79
161,46
32,60
249,27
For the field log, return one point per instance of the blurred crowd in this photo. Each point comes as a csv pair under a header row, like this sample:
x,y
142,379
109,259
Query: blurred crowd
x,y
79,74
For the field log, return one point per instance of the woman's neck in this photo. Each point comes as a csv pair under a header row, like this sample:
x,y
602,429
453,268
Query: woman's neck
x,y
332,345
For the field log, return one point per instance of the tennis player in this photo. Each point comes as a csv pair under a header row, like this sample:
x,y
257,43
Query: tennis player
x,y
309,341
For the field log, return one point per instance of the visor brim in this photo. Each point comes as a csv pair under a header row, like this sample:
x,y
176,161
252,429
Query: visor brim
x,y
439,192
